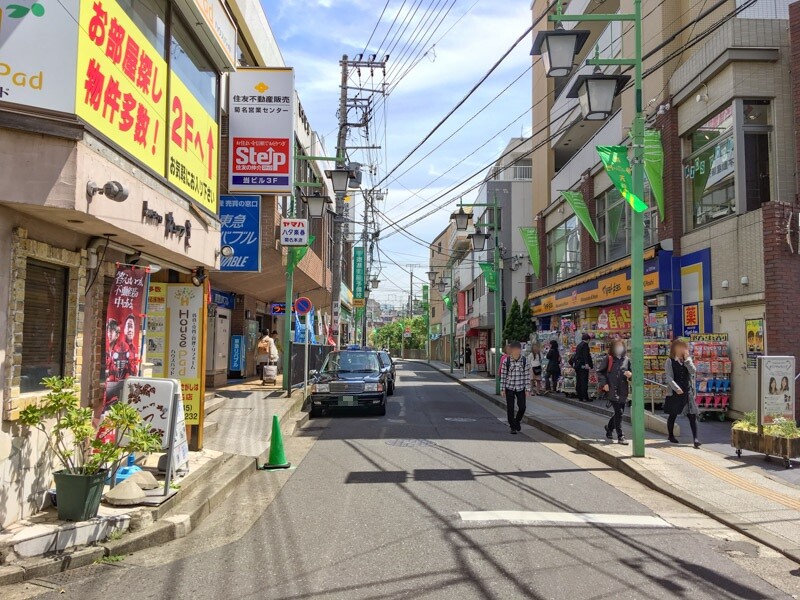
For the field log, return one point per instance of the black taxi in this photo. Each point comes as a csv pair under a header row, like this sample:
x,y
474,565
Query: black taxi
x,y
352,378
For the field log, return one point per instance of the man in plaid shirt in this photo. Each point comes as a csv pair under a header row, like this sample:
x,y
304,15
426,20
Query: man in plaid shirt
x,y
515,380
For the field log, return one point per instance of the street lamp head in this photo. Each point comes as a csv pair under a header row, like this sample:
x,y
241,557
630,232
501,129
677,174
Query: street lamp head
x,y
558,49
432,276
442,286
374,283
596,93
478,240
461,218
339,179
317,205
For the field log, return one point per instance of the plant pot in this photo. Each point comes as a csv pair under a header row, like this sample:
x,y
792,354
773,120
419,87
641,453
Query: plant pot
x,y
79,495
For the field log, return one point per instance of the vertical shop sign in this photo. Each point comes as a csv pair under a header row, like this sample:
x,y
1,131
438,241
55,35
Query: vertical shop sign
x,y
294,232
691,319
184,348
754,333
237,354
462,305
124,314
261,140
193,146
241,230
358,272
157,326
775,389
31,72
121,86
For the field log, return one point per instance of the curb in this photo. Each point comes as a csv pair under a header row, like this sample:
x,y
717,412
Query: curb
x,y
196,503
654,482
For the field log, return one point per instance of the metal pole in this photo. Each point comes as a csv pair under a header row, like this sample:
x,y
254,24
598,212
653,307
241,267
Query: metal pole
x,y
637,250
341,141
364,243
287,321
498,297
305,372
452,321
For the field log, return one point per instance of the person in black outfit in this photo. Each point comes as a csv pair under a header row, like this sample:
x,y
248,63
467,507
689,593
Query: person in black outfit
x,y
582,363
679,371
515,381
467,358
553,372
613,375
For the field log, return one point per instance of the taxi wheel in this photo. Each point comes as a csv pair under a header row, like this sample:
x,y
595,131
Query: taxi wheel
x,y
382,407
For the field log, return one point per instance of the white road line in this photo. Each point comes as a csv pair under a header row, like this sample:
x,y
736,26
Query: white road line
x,y
524,516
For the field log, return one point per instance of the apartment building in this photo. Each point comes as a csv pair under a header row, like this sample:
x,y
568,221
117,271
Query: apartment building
x,y
718,91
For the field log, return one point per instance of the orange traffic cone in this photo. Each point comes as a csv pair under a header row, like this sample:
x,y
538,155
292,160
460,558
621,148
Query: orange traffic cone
x,y
277,456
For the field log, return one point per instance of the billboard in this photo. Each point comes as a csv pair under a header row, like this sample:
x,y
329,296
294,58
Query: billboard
x,y
261,139
241,230
31,73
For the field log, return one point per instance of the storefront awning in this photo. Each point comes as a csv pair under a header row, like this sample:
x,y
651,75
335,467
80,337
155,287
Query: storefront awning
x,y
603,285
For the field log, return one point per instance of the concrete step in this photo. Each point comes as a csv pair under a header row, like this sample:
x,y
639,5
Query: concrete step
x,y
210,426
213,403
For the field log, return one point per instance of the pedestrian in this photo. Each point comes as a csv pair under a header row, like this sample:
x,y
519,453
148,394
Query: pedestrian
x,y
515,381
582,363
277,350
264,351
613,375
535,360
467,359
553,371
679,373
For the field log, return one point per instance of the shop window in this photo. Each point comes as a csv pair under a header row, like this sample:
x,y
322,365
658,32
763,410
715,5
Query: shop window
x,y
614,224
43,330
150,16
710,171
564,251
193,67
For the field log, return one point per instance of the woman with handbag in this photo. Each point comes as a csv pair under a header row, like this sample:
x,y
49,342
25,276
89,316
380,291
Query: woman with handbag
x,y
552,372
535,362
679,371
613,375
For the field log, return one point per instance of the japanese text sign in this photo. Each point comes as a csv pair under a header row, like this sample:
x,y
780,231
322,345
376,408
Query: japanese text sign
x,y
261,140
294,232
31,72
121,82
185,322
241,230
358,272
193,135
775,389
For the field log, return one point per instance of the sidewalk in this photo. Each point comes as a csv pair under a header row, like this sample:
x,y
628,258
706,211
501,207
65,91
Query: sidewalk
x,y
759,499
237,434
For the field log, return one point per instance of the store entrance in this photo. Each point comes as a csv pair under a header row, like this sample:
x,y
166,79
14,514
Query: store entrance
x,y
744,375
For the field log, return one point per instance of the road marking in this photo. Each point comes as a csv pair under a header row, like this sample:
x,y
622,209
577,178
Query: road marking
x,y
524,516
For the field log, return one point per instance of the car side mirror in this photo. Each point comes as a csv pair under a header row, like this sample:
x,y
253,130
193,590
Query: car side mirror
x,y
313,373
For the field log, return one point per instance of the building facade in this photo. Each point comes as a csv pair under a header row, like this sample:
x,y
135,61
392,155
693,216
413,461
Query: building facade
x,y
718,92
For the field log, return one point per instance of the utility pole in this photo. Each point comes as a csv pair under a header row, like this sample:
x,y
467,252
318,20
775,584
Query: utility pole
x,y
410,312
364,236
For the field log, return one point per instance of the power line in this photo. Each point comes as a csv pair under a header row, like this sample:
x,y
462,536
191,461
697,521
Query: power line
x,y
374,29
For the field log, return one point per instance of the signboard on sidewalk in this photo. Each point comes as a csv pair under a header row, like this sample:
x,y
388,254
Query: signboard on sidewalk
x,y
261,140
775,388
157,326
184,348
294,232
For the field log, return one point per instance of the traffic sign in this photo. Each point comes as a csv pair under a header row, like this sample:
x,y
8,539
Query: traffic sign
x,y
303,306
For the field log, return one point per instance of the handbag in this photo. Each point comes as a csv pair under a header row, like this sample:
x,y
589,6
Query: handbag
x,y
674,403
537,371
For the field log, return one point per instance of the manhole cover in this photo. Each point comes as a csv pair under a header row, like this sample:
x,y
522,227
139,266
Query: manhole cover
x,y
460,419
410,442
59,580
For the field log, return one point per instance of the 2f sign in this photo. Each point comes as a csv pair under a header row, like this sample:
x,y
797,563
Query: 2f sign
x,y
294,232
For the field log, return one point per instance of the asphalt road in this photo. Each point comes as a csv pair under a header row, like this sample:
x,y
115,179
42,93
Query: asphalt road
x,y
373,511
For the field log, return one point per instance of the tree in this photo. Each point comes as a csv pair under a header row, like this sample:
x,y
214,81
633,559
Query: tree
x,y
391,334
513,322
527,321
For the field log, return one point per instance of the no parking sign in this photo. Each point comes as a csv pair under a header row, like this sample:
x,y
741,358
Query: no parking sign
x,y
302,306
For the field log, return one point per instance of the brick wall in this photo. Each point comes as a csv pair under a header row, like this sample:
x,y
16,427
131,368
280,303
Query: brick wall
x,y
588,245
672,226
794,49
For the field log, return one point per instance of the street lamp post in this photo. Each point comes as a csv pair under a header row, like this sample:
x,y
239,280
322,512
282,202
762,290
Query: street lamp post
x,y
595,93
479,243
432,280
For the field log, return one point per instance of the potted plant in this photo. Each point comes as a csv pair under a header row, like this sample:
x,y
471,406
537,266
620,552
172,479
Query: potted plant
x,y
780,438
86,458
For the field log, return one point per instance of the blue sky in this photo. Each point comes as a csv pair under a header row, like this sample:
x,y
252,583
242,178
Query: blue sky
x,y
314,34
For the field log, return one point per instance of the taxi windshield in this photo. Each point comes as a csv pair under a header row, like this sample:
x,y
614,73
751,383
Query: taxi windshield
x,y
351,362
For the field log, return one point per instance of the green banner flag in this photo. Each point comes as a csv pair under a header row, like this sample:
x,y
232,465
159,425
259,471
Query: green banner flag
x,y
578,204
654,166
425,294
358,272
448,302
530,235
297,253
615,160
490,275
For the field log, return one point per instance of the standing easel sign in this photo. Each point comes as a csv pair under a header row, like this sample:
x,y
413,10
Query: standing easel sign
x,y
776,396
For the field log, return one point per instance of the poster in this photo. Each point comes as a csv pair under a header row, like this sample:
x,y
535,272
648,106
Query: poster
x,y
776,388
240,217
691,319
157,326
614,318
31,73
121,87
261,121
184,344
123,329
754,332
294,232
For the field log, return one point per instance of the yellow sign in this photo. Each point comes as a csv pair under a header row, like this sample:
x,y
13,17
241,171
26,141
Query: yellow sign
x,y
121,82
610,288
193,136
359,303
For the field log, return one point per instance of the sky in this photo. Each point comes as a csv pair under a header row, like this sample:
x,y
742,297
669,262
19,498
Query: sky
x,y
314,34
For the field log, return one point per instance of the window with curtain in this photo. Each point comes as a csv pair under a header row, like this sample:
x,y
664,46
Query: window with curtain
x,y
564,251
614,224
43,331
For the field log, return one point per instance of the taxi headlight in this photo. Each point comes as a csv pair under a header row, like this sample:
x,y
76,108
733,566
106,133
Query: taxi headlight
x,y
373,387
321,388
